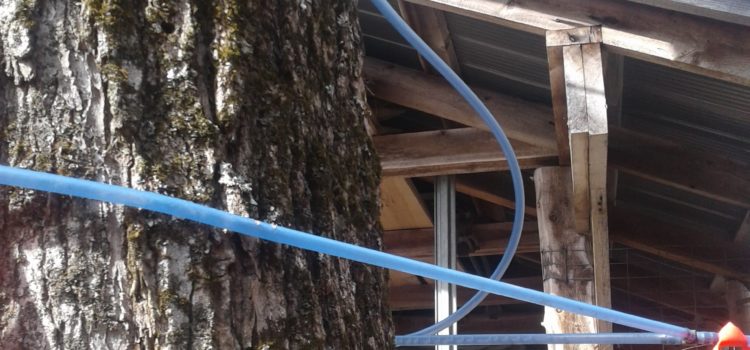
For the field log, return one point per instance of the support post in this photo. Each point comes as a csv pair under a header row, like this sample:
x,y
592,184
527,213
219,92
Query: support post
x,y
567,261
582,110
445,251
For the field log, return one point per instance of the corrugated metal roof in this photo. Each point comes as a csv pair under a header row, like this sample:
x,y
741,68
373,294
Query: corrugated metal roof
x,y
705,113
501,59
681,207
381,40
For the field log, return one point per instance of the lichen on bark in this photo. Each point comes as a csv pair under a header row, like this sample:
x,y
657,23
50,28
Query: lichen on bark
x,y
254,107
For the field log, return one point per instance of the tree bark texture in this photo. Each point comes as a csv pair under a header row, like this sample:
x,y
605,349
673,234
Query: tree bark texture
x,y
254,107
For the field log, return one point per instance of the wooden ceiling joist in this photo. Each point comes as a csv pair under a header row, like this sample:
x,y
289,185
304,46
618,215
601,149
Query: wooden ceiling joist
x,y
490,239
670,164
711,48
630,152
402,206
417,90
419,296
670,242
453,151
628,228
476,323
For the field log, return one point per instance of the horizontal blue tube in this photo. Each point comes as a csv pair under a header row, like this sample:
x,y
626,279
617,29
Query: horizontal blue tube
x,y
221,219
494,127
522,339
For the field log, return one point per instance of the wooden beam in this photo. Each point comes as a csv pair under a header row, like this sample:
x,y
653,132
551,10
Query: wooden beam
x,y
672,294
670,242
559,105
697,303
585,101
664,162
475,323
613,79
491,239
521,121
419,296
710,48
479,190
432,27
454,151
566,256
401,206
629,152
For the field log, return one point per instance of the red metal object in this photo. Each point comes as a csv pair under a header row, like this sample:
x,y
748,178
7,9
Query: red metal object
x,y
731,337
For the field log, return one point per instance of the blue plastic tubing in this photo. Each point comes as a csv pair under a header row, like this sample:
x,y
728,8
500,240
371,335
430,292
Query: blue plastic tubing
x,y
515,171
199,213
522,339
702,338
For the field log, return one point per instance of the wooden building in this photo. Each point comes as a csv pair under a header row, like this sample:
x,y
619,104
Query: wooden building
x,y
631,120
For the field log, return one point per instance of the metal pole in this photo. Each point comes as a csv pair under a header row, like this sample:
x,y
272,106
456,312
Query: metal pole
x,y
445,251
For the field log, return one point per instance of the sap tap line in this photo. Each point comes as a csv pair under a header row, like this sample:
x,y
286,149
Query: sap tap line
x,y
220,219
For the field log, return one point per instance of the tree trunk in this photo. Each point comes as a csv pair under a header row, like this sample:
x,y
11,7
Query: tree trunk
x,y
253,107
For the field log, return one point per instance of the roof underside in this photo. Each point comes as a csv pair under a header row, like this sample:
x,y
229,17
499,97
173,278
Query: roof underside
x,y
660,102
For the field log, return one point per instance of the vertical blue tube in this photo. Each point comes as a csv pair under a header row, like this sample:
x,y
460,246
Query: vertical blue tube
x,y
515,171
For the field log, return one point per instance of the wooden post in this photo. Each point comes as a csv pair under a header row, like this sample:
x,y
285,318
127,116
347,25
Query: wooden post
x,y
567,260
580,106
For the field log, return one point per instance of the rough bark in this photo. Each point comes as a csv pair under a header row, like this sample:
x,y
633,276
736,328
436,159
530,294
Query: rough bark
x,y
254,107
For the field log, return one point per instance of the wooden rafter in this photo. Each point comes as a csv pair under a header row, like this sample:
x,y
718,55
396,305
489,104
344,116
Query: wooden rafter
x,y
630,152
432,95
431,26
706,47
489,239
402,208
454,151
419,296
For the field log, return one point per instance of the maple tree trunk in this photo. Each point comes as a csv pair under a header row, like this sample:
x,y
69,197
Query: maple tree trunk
x,y
253,107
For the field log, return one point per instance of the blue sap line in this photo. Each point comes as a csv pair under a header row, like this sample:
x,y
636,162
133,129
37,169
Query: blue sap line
x,y
523,339
254,228
515,171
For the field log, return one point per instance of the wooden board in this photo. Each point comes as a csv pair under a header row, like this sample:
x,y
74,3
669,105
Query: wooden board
x,y
491,239
402,208
454,151
566,253
711,48
521,121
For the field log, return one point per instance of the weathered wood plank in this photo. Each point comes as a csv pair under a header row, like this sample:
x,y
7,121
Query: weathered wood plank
x,y
629,152
711,48
491,239
596,111
522,121
431,26
454,151
559,106
578,134
566,254
485,193
419,296
402,208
